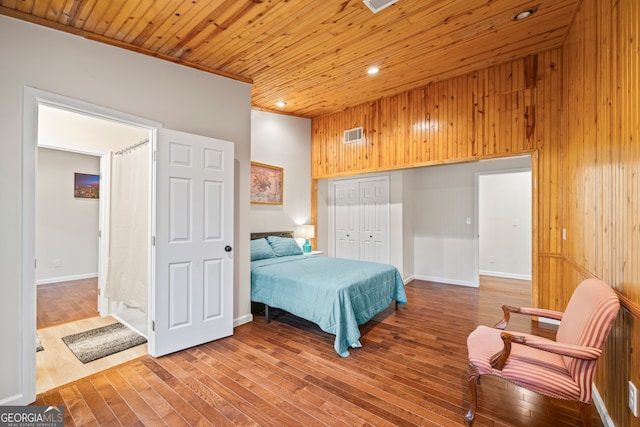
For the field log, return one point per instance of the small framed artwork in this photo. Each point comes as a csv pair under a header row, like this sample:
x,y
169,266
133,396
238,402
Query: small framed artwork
x,y
266,184
86,186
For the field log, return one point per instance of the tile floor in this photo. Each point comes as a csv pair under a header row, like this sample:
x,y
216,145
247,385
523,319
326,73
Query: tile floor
x,y
57,365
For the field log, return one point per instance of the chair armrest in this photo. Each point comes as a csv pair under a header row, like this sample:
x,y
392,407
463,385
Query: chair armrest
x,y
529,311
499,359
569,350
577,352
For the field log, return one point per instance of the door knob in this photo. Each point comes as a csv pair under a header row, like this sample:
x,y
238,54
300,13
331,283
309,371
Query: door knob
x,y
228,248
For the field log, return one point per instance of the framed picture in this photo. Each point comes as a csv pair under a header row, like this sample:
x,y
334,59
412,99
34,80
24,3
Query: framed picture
x,y
86,186
266,184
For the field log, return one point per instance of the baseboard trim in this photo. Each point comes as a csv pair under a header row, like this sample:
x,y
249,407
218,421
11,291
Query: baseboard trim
x,y
15,400
602,409
447,281
505,275
547,320
408,279
66,278
242,320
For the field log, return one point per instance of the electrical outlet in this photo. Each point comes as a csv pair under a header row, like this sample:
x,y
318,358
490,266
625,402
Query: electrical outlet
x,y
633,399
56,263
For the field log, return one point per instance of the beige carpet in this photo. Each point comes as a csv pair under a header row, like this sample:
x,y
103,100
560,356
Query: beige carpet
x,y
57,365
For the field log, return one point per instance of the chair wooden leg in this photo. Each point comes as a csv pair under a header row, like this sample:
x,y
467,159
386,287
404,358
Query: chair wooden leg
x,y
585,413
473,377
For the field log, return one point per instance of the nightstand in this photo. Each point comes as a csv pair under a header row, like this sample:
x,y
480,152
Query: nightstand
x,y
313,253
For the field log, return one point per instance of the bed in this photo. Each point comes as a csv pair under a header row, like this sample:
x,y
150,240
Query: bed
x,y
336,294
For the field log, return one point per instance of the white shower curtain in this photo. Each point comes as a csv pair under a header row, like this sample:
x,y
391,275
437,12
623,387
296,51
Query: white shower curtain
x,y
128,268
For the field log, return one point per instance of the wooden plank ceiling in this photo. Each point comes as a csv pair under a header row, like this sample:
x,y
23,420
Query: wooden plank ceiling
x,y
314,54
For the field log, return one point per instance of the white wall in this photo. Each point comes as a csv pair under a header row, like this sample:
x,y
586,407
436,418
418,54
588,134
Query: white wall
x,y
180,98
504,205
66,227
444,198
283,141
408,221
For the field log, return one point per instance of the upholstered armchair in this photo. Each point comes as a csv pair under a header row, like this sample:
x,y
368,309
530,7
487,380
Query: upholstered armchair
x,y
561,369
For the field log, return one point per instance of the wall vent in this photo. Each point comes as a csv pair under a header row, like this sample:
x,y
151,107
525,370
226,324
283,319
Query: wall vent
x,y
377,5
352,135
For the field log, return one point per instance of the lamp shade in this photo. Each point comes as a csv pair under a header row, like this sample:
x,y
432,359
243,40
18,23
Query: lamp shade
x,y
306,231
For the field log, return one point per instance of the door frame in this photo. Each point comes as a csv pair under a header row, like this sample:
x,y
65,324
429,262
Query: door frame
x,y
32,98
103,210
476,219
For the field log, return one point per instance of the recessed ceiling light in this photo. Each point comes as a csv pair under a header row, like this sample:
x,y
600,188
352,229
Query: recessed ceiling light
x,y
525,14
373,70
281,104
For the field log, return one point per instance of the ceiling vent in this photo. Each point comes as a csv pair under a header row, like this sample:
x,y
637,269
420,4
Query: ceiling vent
x,y
352,135
377,5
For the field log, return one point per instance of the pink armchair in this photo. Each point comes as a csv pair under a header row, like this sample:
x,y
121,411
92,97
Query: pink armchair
x,y
561,369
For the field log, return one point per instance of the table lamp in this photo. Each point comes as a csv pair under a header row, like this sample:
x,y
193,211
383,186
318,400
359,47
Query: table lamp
x,y
306,232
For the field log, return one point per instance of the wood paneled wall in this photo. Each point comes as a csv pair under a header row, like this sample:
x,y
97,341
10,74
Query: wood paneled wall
x,y
601,206
577,111
488,113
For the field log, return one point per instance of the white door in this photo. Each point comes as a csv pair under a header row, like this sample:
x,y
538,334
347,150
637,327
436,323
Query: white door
x,y
346,220
192,300
103,232
374,201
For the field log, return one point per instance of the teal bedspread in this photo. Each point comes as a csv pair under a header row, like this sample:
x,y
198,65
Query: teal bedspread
x,y
337,294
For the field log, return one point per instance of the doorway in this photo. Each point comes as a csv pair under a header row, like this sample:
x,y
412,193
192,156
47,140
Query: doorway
x,y
504,234
77,138
504,229
191,247
73,233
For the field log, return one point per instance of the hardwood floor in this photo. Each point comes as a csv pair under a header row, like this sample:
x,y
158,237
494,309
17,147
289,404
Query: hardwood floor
x,y
66,302
410,371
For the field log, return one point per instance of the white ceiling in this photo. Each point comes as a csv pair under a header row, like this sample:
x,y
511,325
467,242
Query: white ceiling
x,y
72,131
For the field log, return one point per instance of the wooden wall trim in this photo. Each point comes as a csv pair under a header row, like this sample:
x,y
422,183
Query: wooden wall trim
x,y
314,211
629,305
625,302
550,255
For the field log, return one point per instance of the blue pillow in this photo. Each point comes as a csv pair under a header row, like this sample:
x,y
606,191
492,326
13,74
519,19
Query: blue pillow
x,y
260,249
284,246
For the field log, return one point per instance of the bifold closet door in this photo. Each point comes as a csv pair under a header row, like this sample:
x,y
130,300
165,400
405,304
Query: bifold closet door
x,y
347,221
362,219
374,220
